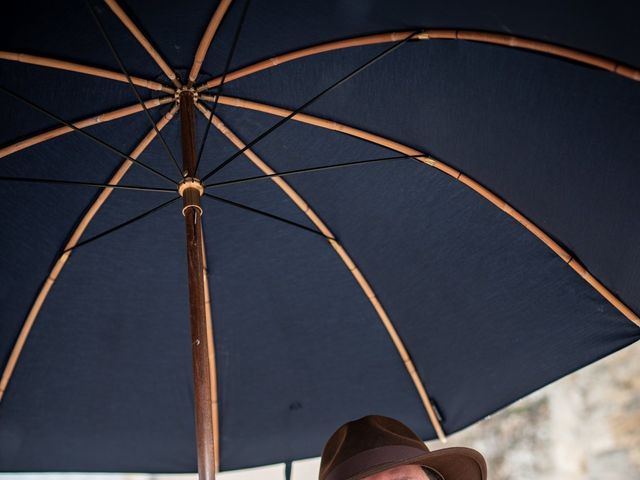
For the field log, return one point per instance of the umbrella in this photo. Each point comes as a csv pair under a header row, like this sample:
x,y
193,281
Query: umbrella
x,y
420,209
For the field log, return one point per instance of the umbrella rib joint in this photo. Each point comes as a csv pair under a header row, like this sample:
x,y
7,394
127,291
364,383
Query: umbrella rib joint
x,y
191,189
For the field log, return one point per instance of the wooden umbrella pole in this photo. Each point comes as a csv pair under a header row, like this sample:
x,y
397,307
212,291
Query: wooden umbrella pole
x,y
191,190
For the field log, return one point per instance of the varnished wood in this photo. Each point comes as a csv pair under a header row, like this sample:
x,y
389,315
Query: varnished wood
x,y
197,300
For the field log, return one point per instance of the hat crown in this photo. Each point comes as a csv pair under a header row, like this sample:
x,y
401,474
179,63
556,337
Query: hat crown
x,y
366,435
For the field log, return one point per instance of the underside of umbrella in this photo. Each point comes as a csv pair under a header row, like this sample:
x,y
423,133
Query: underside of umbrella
x,y
414,210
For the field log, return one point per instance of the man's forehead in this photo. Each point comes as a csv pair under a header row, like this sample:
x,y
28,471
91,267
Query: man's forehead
x,y
403,472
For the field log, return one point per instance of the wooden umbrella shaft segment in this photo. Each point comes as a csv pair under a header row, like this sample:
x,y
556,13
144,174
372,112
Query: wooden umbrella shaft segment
x,y
199,346
212,359
191,192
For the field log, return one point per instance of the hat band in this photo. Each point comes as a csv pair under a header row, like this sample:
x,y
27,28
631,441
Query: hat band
x,y
372,458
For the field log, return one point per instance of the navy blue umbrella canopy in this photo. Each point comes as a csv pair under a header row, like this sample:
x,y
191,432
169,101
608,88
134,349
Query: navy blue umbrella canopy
x,y
425,210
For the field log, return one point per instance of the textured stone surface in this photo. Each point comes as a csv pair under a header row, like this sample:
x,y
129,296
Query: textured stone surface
x,y
583,427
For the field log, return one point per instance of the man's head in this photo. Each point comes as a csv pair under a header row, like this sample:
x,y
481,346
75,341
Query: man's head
x,y
381,448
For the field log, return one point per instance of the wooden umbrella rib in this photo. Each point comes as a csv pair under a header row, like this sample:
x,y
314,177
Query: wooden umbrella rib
x,y
84,69
207,38
347,260
215,416
310,101
227,63
305,52
436,34
87,122
143,41
464,179
536,46
73,240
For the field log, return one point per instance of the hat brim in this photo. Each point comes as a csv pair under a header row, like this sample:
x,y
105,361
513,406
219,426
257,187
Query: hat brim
x,y
454,463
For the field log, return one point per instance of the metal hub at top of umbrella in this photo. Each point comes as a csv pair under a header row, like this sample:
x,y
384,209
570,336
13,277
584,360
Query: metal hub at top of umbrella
x,y
414,296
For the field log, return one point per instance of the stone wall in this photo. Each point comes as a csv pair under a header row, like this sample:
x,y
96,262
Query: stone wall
x,y
583,427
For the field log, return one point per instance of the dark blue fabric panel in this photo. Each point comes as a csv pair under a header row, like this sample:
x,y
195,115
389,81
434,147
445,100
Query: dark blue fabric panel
x,y
462,281
294,301
238,242
38,219
176,30
554,139
295,287
128,349
70,33
104,383
68,95
298,346
274,27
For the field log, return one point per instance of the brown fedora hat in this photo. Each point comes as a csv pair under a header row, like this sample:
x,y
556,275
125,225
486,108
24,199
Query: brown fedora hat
x,y
375,443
